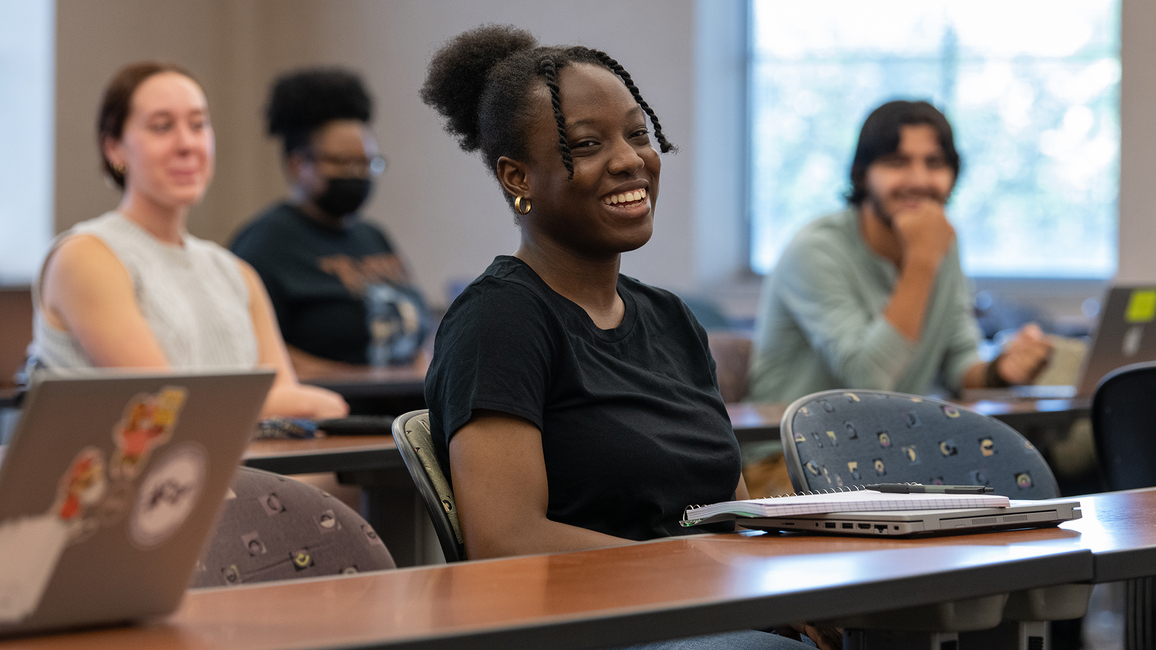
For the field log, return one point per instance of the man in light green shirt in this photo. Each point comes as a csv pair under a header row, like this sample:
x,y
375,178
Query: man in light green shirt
x,y
874,297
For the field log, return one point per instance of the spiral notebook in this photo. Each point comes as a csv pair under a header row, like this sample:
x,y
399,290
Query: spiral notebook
x,y
880,514
847,501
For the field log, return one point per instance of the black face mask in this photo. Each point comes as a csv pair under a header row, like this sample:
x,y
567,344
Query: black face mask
x,y
343,196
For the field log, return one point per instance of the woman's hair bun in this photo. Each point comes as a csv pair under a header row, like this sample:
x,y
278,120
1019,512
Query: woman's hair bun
x,y
457,74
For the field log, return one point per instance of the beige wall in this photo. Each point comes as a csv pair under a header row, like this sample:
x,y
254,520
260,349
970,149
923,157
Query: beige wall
x,y
438,202
1138,142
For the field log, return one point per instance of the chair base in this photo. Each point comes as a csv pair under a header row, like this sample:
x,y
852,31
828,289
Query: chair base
x,y
958,615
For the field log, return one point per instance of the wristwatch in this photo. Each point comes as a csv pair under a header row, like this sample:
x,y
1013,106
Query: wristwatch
x,y
991,376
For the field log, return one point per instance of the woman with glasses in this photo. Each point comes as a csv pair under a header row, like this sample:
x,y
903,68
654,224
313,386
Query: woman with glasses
x,y
334,278
132,288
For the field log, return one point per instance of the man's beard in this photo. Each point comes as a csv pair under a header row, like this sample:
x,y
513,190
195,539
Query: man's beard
x,y
888,218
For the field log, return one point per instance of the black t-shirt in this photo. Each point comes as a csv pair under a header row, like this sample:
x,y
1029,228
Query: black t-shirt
x,y
316,277
633,427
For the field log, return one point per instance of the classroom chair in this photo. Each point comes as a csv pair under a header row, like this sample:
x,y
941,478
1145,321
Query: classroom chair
x,y
275,528
1123,427
412,435
842,438
1125,436
846,438
731,350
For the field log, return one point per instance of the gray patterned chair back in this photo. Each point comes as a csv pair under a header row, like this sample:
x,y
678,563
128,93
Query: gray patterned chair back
x,y
275,528
412,434
842,438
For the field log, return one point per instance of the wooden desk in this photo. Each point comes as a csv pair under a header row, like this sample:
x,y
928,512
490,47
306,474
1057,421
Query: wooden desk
x,y
330,454
390,501
604,598
368,381
1119,528
375,391
15,330
755,422
8,397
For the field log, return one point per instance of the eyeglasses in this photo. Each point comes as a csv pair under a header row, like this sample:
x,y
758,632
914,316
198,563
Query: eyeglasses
x,y
364,167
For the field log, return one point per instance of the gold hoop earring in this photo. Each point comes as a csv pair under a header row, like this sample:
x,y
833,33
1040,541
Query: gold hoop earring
x,y
119,169
518,204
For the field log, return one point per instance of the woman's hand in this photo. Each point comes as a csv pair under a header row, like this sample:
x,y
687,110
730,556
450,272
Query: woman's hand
x,y
287,398
303,401
307,365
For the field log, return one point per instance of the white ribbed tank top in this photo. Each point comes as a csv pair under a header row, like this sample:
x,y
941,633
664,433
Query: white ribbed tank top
x,y
193,297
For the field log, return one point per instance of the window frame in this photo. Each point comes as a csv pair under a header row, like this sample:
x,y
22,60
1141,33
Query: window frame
x,y
1058,297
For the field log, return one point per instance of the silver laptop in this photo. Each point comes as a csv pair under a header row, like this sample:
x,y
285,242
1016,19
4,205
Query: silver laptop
x,y
109,489
900,523
1126,334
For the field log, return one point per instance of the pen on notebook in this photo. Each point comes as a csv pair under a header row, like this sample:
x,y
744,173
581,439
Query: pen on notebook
x,y
916,488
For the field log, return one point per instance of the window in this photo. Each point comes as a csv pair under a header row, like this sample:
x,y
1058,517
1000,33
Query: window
x,y
1031,88
26,120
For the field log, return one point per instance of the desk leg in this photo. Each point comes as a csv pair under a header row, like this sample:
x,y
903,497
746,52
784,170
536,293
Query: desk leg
x,y
1139,605
390,503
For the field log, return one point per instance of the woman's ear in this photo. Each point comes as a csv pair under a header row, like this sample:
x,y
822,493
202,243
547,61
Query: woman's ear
x,y
512,175
113,151
294,163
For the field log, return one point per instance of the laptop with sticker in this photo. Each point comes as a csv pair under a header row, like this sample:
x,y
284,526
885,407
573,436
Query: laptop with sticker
x,y
1126,334
109,488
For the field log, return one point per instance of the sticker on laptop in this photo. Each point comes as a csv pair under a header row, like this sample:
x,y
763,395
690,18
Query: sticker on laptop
x,y
147,423
30,546
167,494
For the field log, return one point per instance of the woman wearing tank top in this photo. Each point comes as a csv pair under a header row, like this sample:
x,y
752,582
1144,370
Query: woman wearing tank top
x,y
132,288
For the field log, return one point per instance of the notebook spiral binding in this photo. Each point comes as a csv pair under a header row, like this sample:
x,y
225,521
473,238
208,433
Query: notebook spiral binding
x,y
843,488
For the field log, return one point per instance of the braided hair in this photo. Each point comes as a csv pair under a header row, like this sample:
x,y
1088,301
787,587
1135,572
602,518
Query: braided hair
x,y
303,100
480,83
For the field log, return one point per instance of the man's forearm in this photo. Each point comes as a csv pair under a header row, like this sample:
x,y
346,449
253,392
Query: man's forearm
x,y
908,303
975,376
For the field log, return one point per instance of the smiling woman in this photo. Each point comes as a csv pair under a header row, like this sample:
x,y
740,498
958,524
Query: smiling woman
x,y
571,406
132,288
550,388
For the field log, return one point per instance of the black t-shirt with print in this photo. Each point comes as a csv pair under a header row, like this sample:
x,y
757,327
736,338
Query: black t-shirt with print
x,y
316,278
633,427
